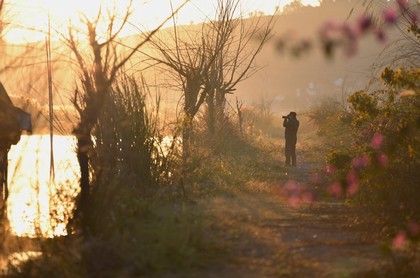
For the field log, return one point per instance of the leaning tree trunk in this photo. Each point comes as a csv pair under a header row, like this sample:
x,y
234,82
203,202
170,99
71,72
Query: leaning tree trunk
x,y
4,193
211,118
83,145
186,137
83,134
220,109
3,175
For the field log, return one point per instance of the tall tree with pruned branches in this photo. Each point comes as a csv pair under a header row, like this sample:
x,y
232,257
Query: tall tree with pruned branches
x,y
241,41
209,60
98,68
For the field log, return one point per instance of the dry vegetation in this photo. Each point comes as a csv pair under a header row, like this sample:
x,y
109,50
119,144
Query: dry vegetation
x,y
214,198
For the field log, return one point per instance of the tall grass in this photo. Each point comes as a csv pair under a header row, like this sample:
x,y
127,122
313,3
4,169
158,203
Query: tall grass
x,y
127,139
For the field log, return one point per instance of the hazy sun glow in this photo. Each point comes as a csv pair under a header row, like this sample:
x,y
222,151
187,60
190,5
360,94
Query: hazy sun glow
x,y
31,198
29,19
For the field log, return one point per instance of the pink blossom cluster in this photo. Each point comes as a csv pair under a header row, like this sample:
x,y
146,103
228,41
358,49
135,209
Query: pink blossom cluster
x,y
377,143
333,34
337,189
403,237
295,193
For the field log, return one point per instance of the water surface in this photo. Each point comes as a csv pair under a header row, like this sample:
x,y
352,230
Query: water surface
x,y
37,206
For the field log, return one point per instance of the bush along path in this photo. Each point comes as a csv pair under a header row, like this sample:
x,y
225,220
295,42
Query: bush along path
x,y
285,225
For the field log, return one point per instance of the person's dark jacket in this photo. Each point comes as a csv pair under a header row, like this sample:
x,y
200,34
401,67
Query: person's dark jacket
x,y
292,125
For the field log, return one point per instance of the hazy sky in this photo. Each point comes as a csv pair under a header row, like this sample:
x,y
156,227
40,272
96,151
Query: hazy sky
x,y
29,18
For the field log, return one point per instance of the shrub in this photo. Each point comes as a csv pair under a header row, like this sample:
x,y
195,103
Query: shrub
x,y
383,159
127,139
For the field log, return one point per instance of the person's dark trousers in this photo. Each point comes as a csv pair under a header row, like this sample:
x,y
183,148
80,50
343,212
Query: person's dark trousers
x,y
290,151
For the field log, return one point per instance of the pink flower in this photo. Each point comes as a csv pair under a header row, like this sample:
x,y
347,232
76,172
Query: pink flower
x,y
292,186
403,4
353,182
330,25
382,159
328,30
294,201
308,197
353,188
413,228
335,189
399,240
329,169
380,35
364,23
315,178
349,32
377,141
361,161
390,15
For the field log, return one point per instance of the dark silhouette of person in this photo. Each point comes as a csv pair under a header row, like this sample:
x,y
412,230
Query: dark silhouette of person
x,y
291,125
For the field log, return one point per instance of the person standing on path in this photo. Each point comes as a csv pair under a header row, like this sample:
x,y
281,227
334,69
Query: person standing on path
x,y
291,124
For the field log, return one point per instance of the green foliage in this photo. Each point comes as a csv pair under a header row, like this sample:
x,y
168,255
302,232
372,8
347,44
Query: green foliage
x,y
366,105
402,78
377,169
148,235
154,235
208,168
340,159
130,236
384,156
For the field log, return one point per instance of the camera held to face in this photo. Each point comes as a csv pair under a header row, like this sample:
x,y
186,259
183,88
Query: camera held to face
x,y
291,116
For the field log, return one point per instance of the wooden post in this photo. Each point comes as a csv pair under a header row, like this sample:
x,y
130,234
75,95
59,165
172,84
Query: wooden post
x,y
3,180
4,190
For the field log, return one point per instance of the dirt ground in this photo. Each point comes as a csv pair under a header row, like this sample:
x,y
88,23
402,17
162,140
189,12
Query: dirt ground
x,y
268,235
267,231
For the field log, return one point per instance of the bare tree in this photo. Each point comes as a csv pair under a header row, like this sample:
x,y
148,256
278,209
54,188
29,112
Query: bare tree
x,y
209,61
240,41
98,70
189,58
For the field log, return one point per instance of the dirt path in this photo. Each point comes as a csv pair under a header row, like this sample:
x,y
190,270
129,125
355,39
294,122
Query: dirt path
x,y
267,236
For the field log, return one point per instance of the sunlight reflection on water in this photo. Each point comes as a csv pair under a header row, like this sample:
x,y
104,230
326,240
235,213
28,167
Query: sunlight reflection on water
x,y
34,206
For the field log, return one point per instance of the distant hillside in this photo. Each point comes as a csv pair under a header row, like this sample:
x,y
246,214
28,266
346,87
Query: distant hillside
x,y
291,83
287,83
